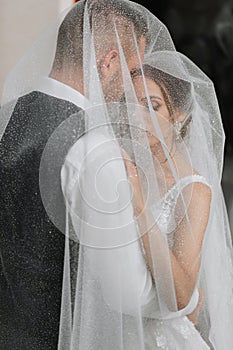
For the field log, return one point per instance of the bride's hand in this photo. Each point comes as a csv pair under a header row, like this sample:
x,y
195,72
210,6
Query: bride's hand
x,y
138,202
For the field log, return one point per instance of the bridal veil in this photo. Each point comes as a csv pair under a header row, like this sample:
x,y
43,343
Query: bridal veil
x,y
105,302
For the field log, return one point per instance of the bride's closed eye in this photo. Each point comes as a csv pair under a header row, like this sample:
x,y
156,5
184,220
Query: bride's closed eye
x,y
154,103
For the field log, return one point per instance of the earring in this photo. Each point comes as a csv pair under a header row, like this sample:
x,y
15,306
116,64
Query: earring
x,y
177,129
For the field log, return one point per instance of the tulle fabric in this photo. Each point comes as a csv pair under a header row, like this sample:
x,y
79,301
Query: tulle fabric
x,y
111,296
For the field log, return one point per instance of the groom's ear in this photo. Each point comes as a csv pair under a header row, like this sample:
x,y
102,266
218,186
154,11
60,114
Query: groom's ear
x,y
108,62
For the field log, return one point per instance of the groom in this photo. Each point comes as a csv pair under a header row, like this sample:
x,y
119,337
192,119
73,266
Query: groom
x,y
32,248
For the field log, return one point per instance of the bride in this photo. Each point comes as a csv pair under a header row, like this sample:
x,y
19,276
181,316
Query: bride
x,y
171,99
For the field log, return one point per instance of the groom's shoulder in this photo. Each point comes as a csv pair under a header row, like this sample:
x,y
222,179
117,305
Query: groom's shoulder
x,y
38,107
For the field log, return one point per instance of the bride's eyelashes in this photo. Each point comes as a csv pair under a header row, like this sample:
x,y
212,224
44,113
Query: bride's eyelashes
x,y
156,107
154,103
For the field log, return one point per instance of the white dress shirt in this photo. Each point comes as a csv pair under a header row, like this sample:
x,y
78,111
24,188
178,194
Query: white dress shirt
x,y
59,90
119,264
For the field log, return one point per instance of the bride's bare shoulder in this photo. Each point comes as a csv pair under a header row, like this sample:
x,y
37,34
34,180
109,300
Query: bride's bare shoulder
x,y
199,196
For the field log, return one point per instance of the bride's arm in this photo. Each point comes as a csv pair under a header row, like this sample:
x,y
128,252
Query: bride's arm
x,y
185,255
186,252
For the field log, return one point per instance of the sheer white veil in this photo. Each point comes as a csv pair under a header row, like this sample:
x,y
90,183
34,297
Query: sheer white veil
x,y
86,190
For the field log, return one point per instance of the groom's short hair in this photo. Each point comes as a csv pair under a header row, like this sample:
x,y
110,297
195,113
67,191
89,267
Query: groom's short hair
x,y
103,14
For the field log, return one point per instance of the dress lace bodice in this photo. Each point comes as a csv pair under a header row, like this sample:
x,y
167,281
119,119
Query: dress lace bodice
x,y
164,210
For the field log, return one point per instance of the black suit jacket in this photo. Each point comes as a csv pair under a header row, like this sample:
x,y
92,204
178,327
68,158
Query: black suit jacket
x,y
31,247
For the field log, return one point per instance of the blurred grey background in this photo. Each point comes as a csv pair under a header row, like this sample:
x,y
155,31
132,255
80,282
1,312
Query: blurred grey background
x,y
20,24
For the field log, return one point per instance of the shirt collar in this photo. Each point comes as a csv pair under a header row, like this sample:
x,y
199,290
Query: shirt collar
x,y
59,90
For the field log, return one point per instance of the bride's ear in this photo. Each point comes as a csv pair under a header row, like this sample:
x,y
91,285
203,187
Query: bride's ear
x,y
181,123
179,117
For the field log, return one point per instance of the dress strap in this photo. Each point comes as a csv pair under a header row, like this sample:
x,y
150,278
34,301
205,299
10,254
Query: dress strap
x,y
193,178
184,181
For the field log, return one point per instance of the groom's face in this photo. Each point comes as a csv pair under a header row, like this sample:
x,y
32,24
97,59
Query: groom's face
x,y
111,72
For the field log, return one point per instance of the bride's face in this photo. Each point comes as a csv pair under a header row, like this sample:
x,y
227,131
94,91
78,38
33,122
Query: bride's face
x,y
159,106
